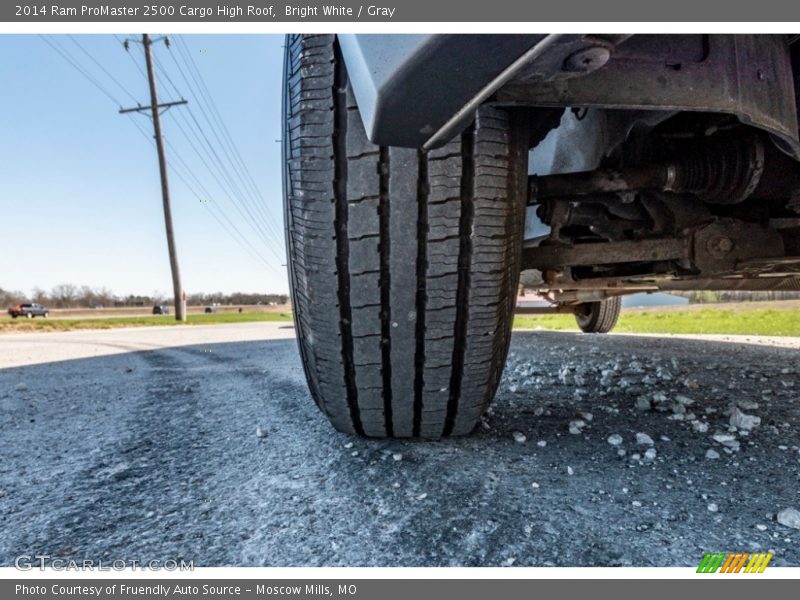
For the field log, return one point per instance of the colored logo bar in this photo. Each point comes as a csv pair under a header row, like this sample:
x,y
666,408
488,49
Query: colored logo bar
x,y
734,562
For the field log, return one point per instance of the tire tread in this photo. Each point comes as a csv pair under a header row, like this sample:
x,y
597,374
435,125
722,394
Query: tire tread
x,y
403,263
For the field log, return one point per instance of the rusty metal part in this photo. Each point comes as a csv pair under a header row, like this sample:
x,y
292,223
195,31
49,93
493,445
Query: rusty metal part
x,y
543,310
724,246
724,170
568,185
556,257
573,297
566,301
603,214
749,76
721,247
562,281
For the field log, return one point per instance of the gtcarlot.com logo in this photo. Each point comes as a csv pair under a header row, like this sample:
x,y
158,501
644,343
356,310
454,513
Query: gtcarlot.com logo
x,y
26,562
734,562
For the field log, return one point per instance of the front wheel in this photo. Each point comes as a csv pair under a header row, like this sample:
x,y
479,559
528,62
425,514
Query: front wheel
x,y
403,265
598,317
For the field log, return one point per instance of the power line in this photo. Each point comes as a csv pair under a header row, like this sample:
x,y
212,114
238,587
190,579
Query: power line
x,y
267,238
180,42
251,207
66,56
231,228
204,97
215,165
220,184
241,209
209,149
102,68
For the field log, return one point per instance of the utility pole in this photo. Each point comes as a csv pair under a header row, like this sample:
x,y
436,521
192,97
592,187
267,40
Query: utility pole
x,y
155,112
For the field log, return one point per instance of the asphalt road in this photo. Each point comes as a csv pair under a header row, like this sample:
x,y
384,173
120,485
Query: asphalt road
x,y
141,444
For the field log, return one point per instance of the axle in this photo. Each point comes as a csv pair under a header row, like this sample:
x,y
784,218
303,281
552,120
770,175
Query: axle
x,y
726,170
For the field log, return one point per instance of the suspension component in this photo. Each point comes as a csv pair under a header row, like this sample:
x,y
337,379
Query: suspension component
x,y
715,248
723,170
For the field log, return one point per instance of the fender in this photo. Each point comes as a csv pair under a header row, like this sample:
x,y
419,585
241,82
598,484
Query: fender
x,y
410,87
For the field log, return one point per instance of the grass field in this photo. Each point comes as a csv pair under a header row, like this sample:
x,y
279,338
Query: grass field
x,y
755,321
750,320
8,325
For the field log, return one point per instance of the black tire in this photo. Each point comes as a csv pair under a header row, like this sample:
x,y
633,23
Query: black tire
x,y
403,266
599,317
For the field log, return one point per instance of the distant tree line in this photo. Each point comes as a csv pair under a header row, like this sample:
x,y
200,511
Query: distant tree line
x,y
710,297
66,295
238,298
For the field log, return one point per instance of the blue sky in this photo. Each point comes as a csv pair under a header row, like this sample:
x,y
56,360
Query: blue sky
x,y
79,189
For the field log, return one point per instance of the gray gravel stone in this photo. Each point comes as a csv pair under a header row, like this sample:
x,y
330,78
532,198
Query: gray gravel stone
x,y
790,517
741,420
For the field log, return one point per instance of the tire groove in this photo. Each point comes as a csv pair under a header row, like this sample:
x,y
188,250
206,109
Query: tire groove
x,y
421,296
465,223
385,283
342,243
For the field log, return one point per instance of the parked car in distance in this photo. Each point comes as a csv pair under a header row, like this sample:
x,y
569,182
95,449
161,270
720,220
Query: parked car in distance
x,y
28,310
211,309
161,309
96,306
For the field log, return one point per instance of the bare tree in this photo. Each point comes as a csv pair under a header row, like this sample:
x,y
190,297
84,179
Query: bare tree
x,y
11,297
86,296
64,295
39,295
105,297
